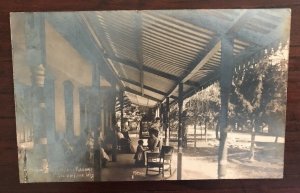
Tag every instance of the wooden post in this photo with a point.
(69, 109)
(180, 134)
(113, 123)
(97, 120)
(161, 111)
(121, 100)
(96, 126)
(225, 83)
(167, 124)
(36, 60)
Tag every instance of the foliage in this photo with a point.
(258, 95)
(204, 105)
(260, 89)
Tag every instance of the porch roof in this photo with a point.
(150, 52)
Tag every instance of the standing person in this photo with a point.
(125, 130)
(90, 146)
(153, 142)
(156, 126)
(140, 154)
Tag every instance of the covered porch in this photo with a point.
(154, 61)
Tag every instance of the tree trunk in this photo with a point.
(195, 133)
(217, 130)
(252, 147)
(201, 133)
(205, 131)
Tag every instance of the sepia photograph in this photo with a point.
(192, 94)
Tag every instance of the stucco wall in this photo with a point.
(65, 63)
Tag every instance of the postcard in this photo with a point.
(151, 94)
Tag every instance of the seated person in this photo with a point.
(104, 157)
(105, 148)
(123, 143)
(156, 123)
(153, 142)
(90, 146)
(107, 142)
(119, 135)
(156, 126)
(140, 154)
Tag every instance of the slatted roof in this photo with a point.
(151, 52)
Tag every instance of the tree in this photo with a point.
(260, 91)
(204, 108)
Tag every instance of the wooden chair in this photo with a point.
(153, 162)
(160, 162)
(166, 154)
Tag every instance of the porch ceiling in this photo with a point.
(151, 52)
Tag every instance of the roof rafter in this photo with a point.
(214, 47)
(140, 94)
(145, 68)
(268, 38)
(246, 53)
(148, 69)
(204, 60)
(162, 45)
(99, 41)
(177, 28)
(205, 83)
(164, 41)
(168, 38)
(139, 35)
(196, 66)
(145, 86)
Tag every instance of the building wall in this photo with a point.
(22, 73)
(65, 63)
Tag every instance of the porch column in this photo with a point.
(180, 134)
(36, 60)
(167, 120)
(76, 109)
(121, 100)
(226, 84)
(157, 113)
(113, 122)
(40, 120)
(96, 100)
(60, 119)
(69, 109)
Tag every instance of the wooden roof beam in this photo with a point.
(268, 38)
(180, 30)
(101, 43)
(215, 46)
(139, 44)
(145, 68)
(140, 94)
(249, 52)
(148, 69)
(196, 66)
(204, 60)
(145, 86)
